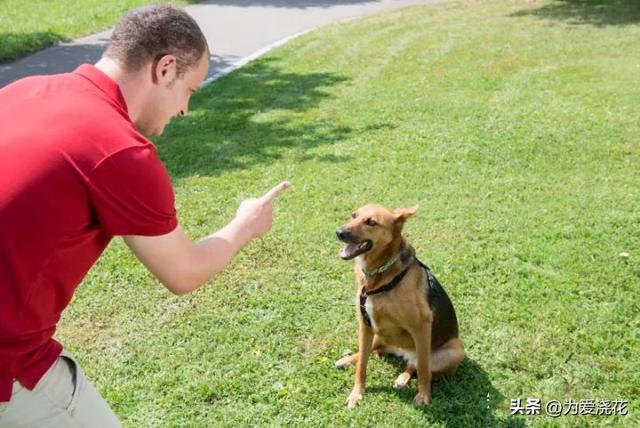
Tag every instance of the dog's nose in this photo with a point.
(341, 233)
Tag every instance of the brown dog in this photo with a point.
(402, 309)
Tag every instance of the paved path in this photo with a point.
(237, 31)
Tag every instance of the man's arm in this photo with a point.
(183, 266)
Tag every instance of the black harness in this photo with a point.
(390, 286)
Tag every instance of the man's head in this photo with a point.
(165, 49)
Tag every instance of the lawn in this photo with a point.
(513, 125)
(27, 26)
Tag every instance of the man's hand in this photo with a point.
(257, 213)
(183, 266)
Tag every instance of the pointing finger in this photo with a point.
(271, 194)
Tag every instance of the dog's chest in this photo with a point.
(378, 316)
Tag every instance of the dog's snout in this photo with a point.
(344, 234)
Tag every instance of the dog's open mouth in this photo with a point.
(355, 249)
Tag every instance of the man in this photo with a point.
(75, 172)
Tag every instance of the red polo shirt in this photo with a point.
(74, 172)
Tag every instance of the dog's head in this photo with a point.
(371, 229)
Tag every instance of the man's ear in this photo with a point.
(164, 70)
(402, 214)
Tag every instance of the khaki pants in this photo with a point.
(62, 398)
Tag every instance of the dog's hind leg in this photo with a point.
(345, 362)
(378, 348)
(446, 359)
(404, 378)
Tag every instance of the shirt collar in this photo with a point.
(102, 82)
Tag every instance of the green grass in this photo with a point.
(27, 26)
(513, 125)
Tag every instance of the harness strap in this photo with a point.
(430, 277)
(363, 309)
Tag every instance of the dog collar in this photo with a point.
(385, 267)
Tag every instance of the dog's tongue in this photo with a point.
(350, 250)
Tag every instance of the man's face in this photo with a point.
(170, 95)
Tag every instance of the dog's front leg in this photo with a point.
(422, 340)
(365, 341)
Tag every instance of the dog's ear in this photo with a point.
(402, 214)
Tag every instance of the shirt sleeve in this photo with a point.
(131, 193)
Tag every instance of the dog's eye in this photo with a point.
(354, 215)
(370, 222)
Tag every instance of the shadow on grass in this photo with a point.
(15, 45)
(251, 117)
(467, 399)
(593, 12)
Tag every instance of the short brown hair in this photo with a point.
(146, 34)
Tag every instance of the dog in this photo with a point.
(402, 308)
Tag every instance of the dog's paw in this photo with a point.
(422, 399)
(402, 381)
(343, 362)
(354, 398)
